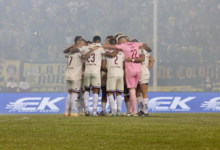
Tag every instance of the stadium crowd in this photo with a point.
(187, 31)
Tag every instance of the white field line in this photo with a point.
(24, 118)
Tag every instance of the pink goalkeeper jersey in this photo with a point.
(131, 49)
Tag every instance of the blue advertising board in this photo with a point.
(54, 103)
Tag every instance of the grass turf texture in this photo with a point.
(158, 131)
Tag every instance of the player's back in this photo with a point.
(93, 63)
(74, 67)
(131, 49)
(115, 65)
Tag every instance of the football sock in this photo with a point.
(103, 106)
(112, 103)
(119, 103)
(139, 100)
(95, 103)
(79, 104)
(127, 106)
(145, 104)
(68, 101)
(86, 100)
(82, 102)
(133, 100)
(74, 100)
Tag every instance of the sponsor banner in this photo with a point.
(45, 77)
(54, 103)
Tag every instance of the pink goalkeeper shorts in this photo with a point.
(132, 78)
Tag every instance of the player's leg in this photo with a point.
(76, 86)
(144, 89)
(126, 96)
(79, 102)
(132, 79)
(119, 90)
(96, 85)
(111, 88)
(68, 99)
(104, 101)
(104, 94)
(82, 97)
(139, 99)
(87, 92)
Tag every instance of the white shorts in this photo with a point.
(115, 84)
(92, 79)
(74, 85)
(144, 79)
(103, 79)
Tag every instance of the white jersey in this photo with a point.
(12, 85)
(145, 63)
(93, 63)
(74, 67)
(24, 85)
(115, 65)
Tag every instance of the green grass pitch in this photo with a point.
(158, 131)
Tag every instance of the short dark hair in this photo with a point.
(88, 42)
(96, 38)
(109, 37)
(82, 40)
(77, 38)
(113, 41)
(134, 40)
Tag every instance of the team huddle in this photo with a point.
(119, 66)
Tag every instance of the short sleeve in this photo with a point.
(138, 44)
(123, 57)
(103, 51)
(141, 52)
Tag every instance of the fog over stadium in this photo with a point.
(33, 34)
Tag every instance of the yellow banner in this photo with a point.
(9, 69)
(48, 77)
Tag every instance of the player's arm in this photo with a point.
(86, 56)
(74, 49)
(67, 50)
(151, 62)
(146, 47)
(136, 60)
(107, 46)
(104, 68)
(112, 54)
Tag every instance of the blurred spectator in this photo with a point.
(24, 86)
(27, 27)
(12, 85)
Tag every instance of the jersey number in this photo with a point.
(134, 53)
(71, 58)
(116, 58)
(93, 57)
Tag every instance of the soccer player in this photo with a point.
(74, 78)
(103, 83)
(92, 75)
(132, 69)
(115, 78)
(143, 81)
(76, 40)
